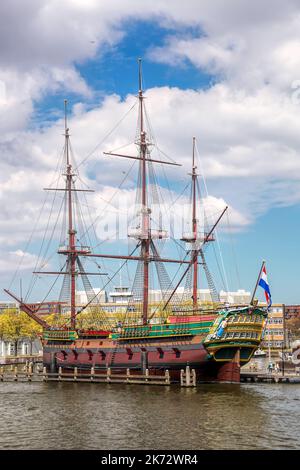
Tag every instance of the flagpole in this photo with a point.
(258, 279)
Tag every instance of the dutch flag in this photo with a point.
(263, 282)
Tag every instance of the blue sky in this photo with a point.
(204, 75)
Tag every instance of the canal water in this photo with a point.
(103, 416)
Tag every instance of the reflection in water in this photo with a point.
(90, 416)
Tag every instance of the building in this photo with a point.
(48, 308)
(25, 347)
(275, 335)
(82, 298)
(292, 311)
(4, 305)
(239, 297)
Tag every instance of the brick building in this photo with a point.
(292, 311)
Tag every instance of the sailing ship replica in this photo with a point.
(178, 332)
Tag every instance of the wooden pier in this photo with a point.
(31, 373)
(28, 374)
(270, 377)
(21, 359)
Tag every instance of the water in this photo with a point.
(102, 416)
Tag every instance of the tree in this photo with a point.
(15, 325)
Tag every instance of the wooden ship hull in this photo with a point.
(216, 351)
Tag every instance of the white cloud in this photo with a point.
(6, 260)
(247, 125)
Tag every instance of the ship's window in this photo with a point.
(75, 355)
(65, 355)
(230, 335)
(90, 354)
(161, 353)
(254, 335)
(248, 334)
(103, 355)
(235, 319)
(236, 334)
(130, 353)
(243, 334)
(177, 352)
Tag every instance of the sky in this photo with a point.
(227, 73)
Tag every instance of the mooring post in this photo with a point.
(108, 374)
(193, 377)
(128, 375)
(59, 373)
(16, 374)
(144, 361)
(147, 374)
(167, 377)
(92, 373)
(75, 373)
(30, 371)
(182, 377)
(45, 373)
(187, 376)
(53, 363)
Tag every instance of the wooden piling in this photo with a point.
(30, 371)
(193, 378)
(181, 377)
(187, 376)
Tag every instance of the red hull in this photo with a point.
(157, 357)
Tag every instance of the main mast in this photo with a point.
(145, 241)
(195, 230)
(71, 250)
